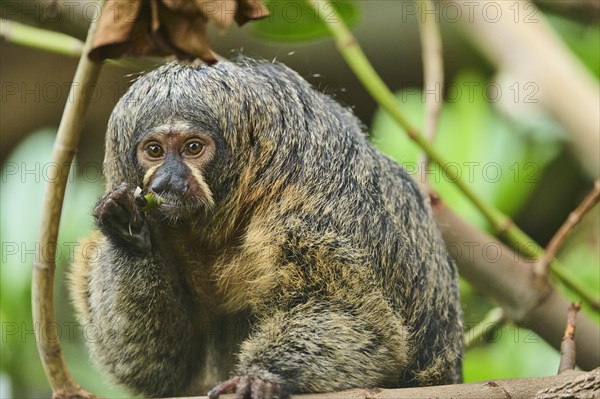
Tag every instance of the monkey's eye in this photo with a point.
(154, 150)
(193, 147)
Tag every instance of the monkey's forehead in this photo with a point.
(173, 126)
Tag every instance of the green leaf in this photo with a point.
(292, 21)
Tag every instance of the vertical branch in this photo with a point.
(567, 346)
(433, 73)
(65, 147)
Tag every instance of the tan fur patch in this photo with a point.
(249, 273)
(149, 174)
(79, 273)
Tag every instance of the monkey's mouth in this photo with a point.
(174, 208)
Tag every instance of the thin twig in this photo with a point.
(41, 39)
(567, 346)
(543, 266)
(60, 43)
(433, 73)
(492, 321)
(504, 227)
(62, 383)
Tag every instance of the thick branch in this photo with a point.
(64, 150)
(583, 386)
(521, 388)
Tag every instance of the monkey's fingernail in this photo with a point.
(141, 201)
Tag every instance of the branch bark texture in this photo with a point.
(521, 388)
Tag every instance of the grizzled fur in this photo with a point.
(319, 266)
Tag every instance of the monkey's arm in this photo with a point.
(139, 312)
(324, 346)
(319, 346)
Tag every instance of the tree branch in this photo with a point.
(583, 386)
(561, 235)
(519, 388)
(41, 39)
(433, 72)
(567, 347)
(65, 147)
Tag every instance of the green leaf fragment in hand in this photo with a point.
(151, 201)
(148, 201)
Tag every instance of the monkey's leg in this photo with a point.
(322, 345)
(137, 309)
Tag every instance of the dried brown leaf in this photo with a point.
(163, 27)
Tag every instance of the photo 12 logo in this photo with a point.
(471, 11)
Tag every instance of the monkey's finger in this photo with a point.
(224, 387)
(268, 390)
(257, 389)
(141, 240)
(112, 214)
(127, 201)
(124, 196)
(242, 388)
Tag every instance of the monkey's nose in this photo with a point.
(169, 184)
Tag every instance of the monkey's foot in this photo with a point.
(248, 387)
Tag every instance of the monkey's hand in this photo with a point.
(249, 387)
(120, 218)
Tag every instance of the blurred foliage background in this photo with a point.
(519, 162)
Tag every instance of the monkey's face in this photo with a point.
(174, 158)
